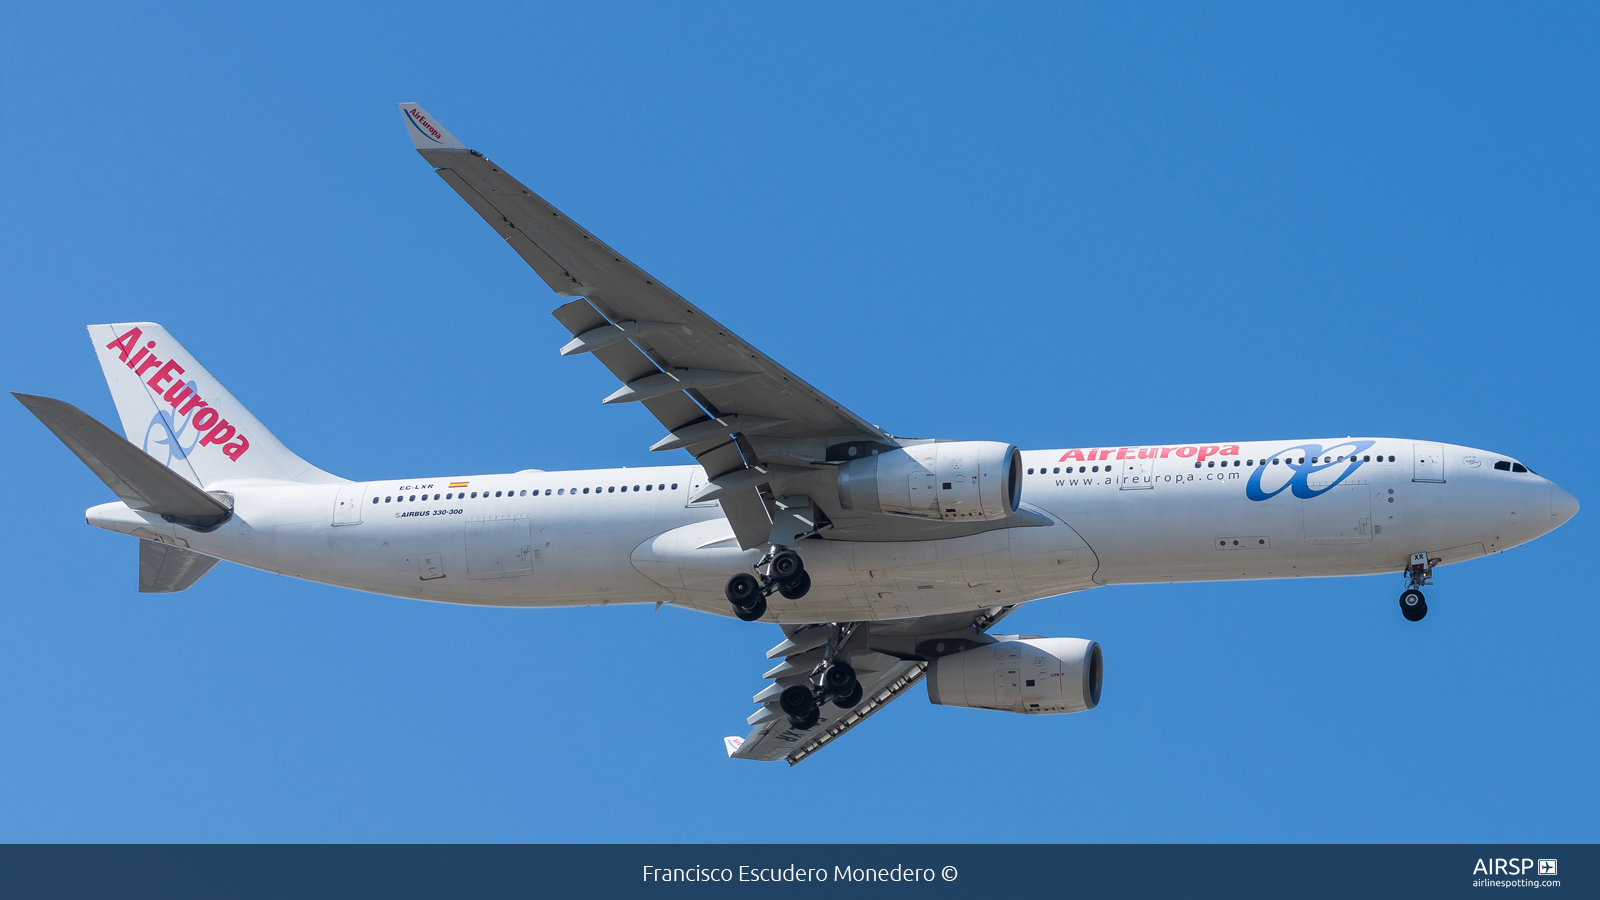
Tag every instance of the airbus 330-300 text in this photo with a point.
(885, 560)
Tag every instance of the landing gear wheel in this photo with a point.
(742, 589)
(797, 588)
(806, 722)
(786, 566)
(1413, 605)
(744, 592)
(850, 700)
(755, 610)
(840, 679)
(797, 702)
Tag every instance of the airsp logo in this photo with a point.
(1511, 866)
(1547, 868)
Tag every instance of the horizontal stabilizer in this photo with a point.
(165, 569)
(134, 476)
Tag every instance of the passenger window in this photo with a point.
(647, 487)
(1212, 464)
(611, 490)
(374, 499)
(547, 492)
(1030, 471)
(1391, 459)
(674, 485)
(386, 499)
(1057, 470)
(1518, 467)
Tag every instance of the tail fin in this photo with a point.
(174, 410)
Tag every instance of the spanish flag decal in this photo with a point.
(456, 484)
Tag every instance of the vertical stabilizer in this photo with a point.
(174, 410)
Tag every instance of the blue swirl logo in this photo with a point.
(1346, 456)
(169, 431)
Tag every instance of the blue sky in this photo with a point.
(1052, 225)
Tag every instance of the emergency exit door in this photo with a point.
(347, 506)
(1135, 474)
(1429, 462)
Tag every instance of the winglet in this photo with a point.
(427, 134)
(732, 744)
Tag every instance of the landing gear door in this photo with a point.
(347, 506)
(1135, 474)
(1429, 461)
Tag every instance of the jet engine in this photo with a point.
(1034, 675)
(948, 480)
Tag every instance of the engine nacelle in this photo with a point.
(1037, 676)
(949, 480)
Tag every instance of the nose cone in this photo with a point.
(1563, 506)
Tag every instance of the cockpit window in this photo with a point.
(1503, 465)
(1518, 467)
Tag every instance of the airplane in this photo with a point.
(885, 561)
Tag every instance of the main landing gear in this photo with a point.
(1418, 573)
(781, 570)
(833, 680)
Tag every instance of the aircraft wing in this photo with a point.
(889, 658)
(750, 422)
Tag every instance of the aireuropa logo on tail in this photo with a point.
(210, 428)
(172, 431)
(421, 123)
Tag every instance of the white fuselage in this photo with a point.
(1138, 515)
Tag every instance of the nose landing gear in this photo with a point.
(1419, 572)
(1413, 605)
(781, 570)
